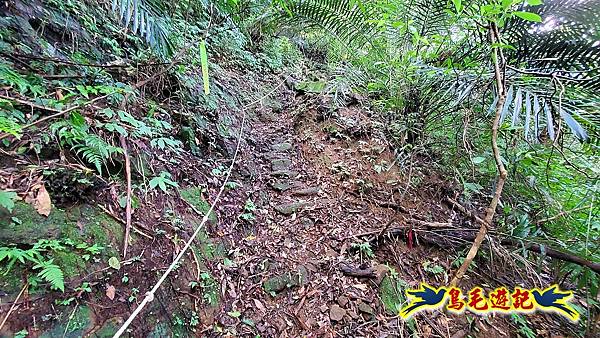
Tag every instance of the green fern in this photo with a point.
(10, 77)
(91, 147)
(95, 151)
(52, 274)
(49, 272)
(9, 126)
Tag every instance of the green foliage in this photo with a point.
(24, 84)
(21, 334)
(48, 271)
(7, 199)
(148, 19)
(523, 326)
(10, 126)
(364, 249)
(51, 273)
(281, 52)
(163, 181)
(74, 132)
(40, 258)
(249, 209)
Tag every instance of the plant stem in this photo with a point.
(502, 173)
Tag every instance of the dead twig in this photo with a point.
(117, 218)
(12, 308)
(562, 213)
(29, 103)
(464, 210)
(59, 113)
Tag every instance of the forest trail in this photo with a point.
(327, 191)
(294, 168)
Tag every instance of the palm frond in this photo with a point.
(533, 109)
(356, 21)
(147, 19)
(566, 43)
(347, 20)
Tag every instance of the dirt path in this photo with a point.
(318, 183)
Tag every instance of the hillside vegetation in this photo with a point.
(290, 168)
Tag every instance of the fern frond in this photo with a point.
(91, 147)
(9, 126)
(95, 151)
(52, 274)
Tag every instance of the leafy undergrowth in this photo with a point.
(324, 181)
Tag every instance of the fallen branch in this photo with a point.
(30, 104)
(366, 272)
(376, 272)
(561, 255)
(430, 224)
(437, 240)
(70, 63)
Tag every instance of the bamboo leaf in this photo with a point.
(528, 16)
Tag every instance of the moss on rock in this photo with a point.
(81, 224)
(391, 295)
(25, 226)
(73, 324)
(193, 196)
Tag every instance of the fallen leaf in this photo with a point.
(259, 305)
(42, 203)
(110, 292)
(336, 313)
(234, 314)
(114, 263)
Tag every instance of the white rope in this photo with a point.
(150, 294)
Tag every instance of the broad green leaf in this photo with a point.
(7, 199)
(234, 314)
(534, 2)
(506, 3)
(478, 160)
(114, 263)
(204, 64)
(528, 16)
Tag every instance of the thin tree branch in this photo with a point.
(502, 173)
